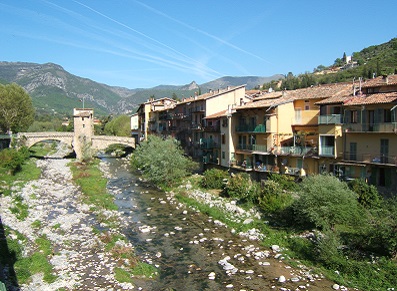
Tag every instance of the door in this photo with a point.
(298, 115)
(384, 150)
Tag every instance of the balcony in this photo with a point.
(196, 126)
(245, 147)
(253, 147)
(212, 128)
(181, 116)
(370, 158)
(251, 128)
(207, 144)
(259, 148)
(330, 119)
(292, 150)
(388, 127)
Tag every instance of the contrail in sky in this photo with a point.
(142, 34)
(201, 31)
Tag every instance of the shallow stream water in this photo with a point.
(187, 246)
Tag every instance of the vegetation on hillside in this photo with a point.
(372, 61)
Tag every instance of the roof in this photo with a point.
(379, 98)
(219, 114)
(265, 103)
(322, 91)
(380, 81)
(210, 94)
(273, 99)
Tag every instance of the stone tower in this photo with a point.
(83, 119)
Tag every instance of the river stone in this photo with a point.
(281, 279)
(275, 248)
(335, 287)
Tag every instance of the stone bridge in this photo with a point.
(82, 140)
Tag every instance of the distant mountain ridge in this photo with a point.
(54, 90)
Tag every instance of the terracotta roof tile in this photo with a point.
(380, 98)
(380, 81)
(222, 113)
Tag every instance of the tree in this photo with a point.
(119, 126)
(325, 202)
(16, 108)
(162, 161)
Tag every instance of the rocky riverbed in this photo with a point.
(189, 249)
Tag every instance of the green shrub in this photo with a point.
(162, 161)
(327, 249)
(12, 160)
(382, 233)
(214, 179)
(285, 182)
(324, 201)
(272, 198)
(367, 194)
(243, 188)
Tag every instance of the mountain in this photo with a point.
(250, 82)
(54, 90)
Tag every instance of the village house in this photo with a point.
(348, 130)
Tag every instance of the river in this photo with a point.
(190, 249)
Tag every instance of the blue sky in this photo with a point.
(142, 44)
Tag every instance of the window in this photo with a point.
(354, 116)
(223, 139)
(223, 155)
(307, 105)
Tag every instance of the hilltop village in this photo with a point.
(347, 129)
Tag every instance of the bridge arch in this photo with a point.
(29, 139)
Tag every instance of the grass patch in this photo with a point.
(20, 209)
(144, 270)
(93, 185)
(25, 267)
(36, 224)
(42, 149)
(123, 275)
(29, 172)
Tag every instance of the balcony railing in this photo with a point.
(375, 158)
(292, 150)
(245, 147)
(330, 119)
(180, 116)
(252, 147)
(370, 127)
(327, 151)
(212, 128)
(259, 148)
(196, 126)
(208, 144)
(251, 128)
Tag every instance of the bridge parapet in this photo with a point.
(101, 142)
(31, 138)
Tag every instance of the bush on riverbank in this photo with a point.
(214, 179)
(11, 160)
(350, 234)
(162, 161)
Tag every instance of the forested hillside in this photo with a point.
(372, 61)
